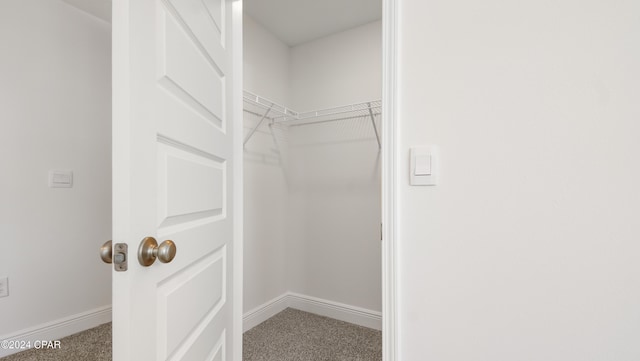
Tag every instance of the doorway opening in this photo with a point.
(312, 171)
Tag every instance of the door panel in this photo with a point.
(173, 178)
(189, 73)
(206, 20)
(185, 288)
(191, 186)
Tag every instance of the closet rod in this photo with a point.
(257, 101)
(282, 114)
(359, 116)
(357, 108)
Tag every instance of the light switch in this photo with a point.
(60, 179)
(423, 165)
(423, 168)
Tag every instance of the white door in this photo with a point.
(173, 178)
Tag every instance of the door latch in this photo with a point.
(118, 255)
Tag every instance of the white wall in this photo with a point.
(266, 63)
(266, 72)
(528, 248)
(55, 106)
(339, 69)
(334, 230)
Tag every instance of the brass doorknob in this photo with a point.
(106, 252)
(149, 251)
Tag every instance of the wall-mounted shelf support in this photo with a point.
(375, 128)
(246, 139)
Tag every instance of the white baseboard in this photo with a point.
(67, 326)
(58, 329)
(264, 312)
(339, 311)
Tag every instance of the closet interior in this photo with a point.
(312, 123)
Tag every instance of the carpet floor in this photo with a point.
(294, 335)
(90, 345)
(291, 335)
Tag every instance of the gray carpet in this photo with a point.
(291, 335)
(93, 344)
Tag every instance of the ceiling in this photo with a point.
(293, 21)
(298, 21)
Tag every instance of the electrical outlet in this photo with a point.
(4, 287)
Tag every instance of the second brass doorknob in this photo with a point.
(149, 251)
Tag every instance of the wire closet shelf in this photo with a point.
(276, 113)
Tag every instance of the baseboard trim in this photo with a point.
(264, 312)
(339, 311)
(58, 329)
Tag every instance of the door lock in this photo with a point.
(116, 255)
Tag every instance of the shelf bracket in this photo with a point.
(257, 126)
(375, 129)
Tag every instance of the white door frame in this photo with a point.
(389, 180)
(238, 179)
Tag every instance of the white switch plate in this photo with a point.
(423, 174)
(4, 287)
(60, 179)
